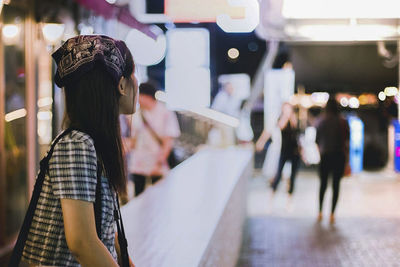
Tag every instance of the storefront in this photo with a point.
(27, 109)
(18, 118)
(31, 106)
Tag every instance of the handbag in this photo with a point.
(23, 234)
(172, 160)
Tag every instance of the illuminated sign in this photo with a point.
(188, 82)
(230, 15)
(309, 9)
(201, 10)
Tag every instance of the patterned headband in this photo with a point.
(79, 54)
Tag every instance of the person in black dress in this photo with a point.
(333, 140)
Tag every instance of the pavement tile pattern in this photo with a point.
(274, 241)
(366, 232)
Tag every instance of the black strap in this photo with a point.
(98, 200)
(123, 243)
(23, 234)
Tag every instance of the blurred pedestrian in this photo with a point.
(226, 101)
(333, 142)
(288, 124)
(244, 131)
(74, 223)
(154, 129)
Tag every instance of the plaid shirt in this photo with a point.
(72, 175)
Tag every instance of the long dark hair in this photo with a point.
(92, 105)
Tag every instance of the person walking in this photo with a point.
(85, 167)
(154, 129)
(333, 141)
(287, 123)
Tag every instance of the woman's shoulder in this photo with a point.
(77, 140)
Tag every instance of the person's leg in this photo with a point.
(323, 176)
(295, 166)
(155, 179)
(140, 182)
(339, 164)
(278, 175)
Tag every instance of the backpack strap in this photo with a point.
(123, 243)
(98, 201)
(23, 234)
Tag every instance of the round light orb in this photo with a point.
(53, 32)
(391, 91)
(354, 103)
(344, 102)
(10, 31)
(145, 50)
(382, 96)
(233, 53)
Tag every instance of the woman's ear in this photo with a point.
(121, 86)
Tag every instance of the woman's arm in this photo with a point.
(283, 121)
(81, 235)
(265, 135)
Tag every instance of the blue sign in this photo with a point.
(396, 125)
(356, 144)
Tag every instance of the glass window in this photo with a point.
(14, 191)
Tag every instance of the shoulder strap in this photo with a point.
(153, 133)
(123, 243)
(98, 200)
(23, 234)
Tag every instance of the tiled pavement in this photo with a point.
(366, 233)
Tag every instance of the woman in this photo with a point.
(332, 140)
(287, 123)
(96, 73)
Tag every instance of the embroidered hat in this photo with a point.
(80, 54)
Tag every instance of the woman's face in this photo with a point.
(129, 95)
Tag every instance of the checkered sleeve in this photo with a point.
(72, 170)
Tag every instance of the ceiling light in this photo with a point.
(344, 102)
(328, 9)
(344, 32)
(10, 32)
(320, 98)
(16, 114)
(391, 91)
(354, 103)
(53, 32)
(248, 24)
(382, 96)
(233, 53)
